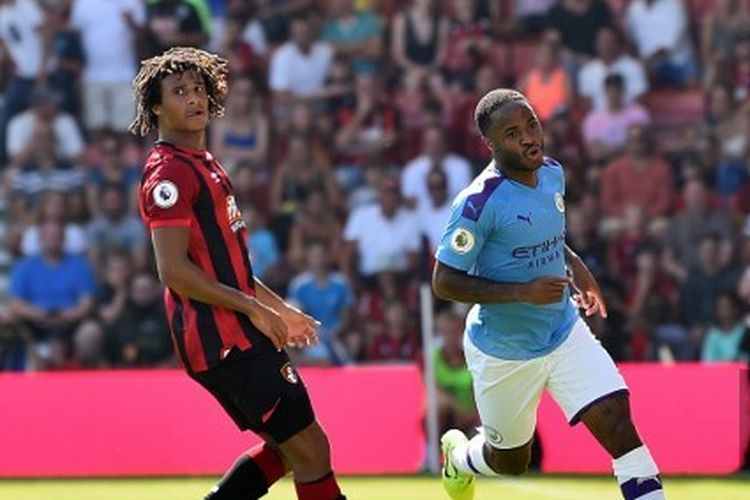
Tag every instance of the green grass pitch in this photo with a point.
(532, 487)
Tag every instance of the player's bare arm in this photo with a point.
(300, 326)
(588, 295)
(453, 284)
(177, 272)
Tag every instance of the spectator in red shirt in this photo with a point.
(641, 177)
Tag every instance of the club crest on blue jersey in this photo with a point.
(559, 202)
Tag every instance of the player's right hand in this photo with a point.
(269, 322)
(545, 290)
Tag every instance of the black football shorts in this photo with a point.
(261, 392)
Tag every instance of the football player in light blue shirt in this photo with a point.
(504, 251)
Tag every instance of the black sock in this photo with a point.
(244, 481)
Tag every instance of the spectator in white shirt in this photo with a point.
(611, 58)
(434, 155)
(28, 130)
(25, 38)
(108, 33)
(300, 66)
(660, 31)
(381, 238)
(434, 216)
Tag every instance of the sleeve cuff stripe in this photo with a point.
(170, 223)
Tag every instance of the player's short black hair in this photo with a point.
(491, 102)
(147, 83)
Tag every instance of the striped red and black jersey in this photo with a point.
(188, 188)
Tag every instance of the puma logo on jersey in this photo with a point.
(524, 218)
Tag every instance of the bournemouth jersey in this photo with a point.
(188, 188)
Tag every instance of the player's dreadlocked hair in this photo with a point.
(492, 101)
(147, 83)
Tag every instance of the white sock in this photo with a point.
(469, 457)
(638, 475)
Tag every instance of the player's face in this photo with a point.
(516, 137)
(184, 103)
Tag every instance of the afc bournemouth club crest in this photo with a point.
(289, 374)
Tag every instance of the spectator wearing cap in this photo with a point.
(605, 131)
(173, 23)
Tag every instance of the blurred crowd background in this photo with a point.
(349, 128)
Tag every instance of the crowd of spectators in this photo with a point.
(349, 128)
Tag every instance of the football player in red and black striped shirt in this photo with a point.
(228, 328)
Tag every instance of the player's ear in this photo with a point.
(488, 142)
(156, 109)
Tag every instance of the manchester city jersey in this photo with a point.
(505, 231)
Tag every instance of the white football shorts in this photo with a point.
(577, 373)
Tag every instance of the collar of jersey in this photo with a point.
(198, 153)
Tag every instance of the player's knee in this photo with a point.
(309, 450)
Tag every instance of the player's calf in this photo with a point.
(610, 422)
(309, 454)
(251, 475)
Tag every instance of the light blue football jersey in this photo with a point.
(505, 231)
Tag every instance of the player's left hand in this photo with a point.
(300, 326)
(588, 296)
